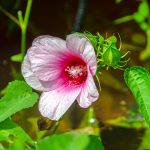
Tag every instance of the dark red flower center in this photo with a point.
(76, 72)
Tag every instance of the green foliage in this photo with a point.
(145, 144)
(146, 53)
(111, 56)
(125, 122)
(17, 139)
(142, 17)
(18, 96)
(14, 135)
(138, 81)
(144, 9)
(108, 54)
(142, 12)
(92, 38)
(22, 22)
(70, 141)
(17, 57)
(90, 123)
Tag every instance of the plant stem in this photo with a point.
(24, 27)
(146, 53)
(148, 39)
(124, 19)
(9, 15)
(20, 18)
(23, 41)
(27, 13)
(56, 125)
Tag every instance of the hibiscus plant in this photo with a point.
(57, 72)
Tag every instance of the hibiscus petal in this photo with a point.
(55, 103)
(82, 45)
(53, 42)
(29, 76)
(44, 55)
(88, 93)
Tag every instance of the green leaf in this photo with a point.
(9, 129)
(145, 54)
(18, 96)
(126, 123)
(145, 144)
(14, 135)
(92, 38)
(142, 13)
(17, 58)
(144, 9)
(1, 147)
(138, 81)
(70, 141)
(138, 17)
(144, 26)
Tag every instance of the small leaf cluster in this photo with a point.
(142, 15)
(142, 18)
(108, 53)
(13, 137)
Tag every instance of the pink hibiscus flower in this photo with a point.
(63, 70)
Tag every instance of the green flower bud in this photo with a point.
(111, 56)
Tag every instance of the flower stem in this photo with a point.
(23, 42)
(124, 19)
(148, 39)
(24, 26)
(9, 15)
(56, 125)
(22, 23)
(20, 18)
(146, 53)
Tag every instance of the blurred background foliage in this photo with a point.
(115, 115)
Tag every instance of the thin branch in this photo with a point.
(9, 15)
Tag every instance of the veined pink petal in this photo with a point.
(37, 84)
(88, 93)
(82, 45)
(54, 43)
(55, 103)
(44, 63)
(29, 76)
(44, 54)
(49, 67)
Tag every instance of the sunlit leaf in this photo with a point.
(138, 17)
(90, 120)
(70, 141)
(142, 13)
(14, 135)
(18, 96)
(1, 147)
(145, 144)
(126, 123)
(17, 58)
(138, 80)
(144, 9)
(145, 54)
(8, 129)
